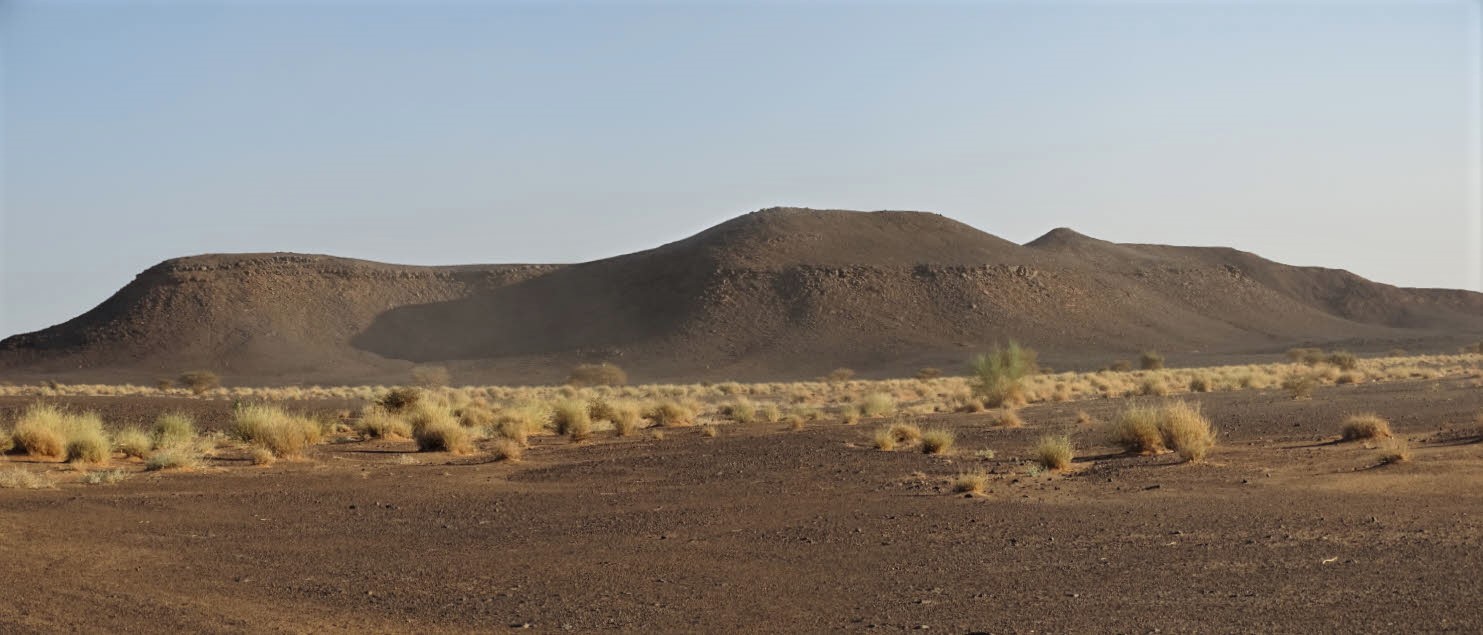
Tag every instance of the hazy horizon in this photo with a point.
(1333, 135)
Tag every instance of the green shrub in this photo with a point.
(999, 375)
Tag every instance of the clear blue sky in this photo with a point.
(1319, 133)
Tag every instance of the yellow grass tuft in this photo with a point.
(975, 482)
(885, 439)
(937, 441)
(133, 443)
(877, 404)
(570, 418)
(172, 429)
(1053, 452)
(283, 433)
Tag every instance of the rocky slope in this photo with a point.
(780, 293)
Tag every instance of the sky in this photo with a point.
(1338, 134)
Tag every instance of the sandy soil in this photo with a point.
(763, 529)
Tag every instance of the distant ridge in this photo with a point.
(778, 293)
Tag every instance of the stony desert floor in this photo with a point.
(763, 528)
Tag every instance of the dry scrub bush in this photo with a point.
(905, 432)
(1365, 426)
(671, 414)
(840, 375)
(570, 418)
(795, 422)
(937, 441)
(1201, 383)
(1343, 360)
(200, 382)
(173, 428)
(603, 374)
(45, 430)
(1150, 360)
(929, 373)
(473, 415)
(520, 422)
(399, 399)
(974, 482)
(262, 457)
(999, 376)
(709, 430)
(877, 404)
(436, 430)
(1053, 452)
(133, 443)
(283, 433)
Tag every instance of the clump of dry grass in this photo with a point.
(1176, 426)
(1201, 383)
(938, 441)
(671, 414)
(1082, 418)
(174, 458)
(105, 477)
(877, 404)
(625, 417)
(262, 457)
(741, 411)
(1300, 385)
(173, 428)
(1365, 426)
(709, 430)
(906, 433)
(283, 433)
(475, 415)
(1153, 385)
(377, 422)
(20, 478)
(506, 450)
(885, 439)
(1008, 418)
(1053, 452)
(1186, 431)
(46, 430)
(570, 418)
(1395, 451)
(796, 421)
(975, 482)
(436, 430)
(770, 412)
(1150, 360)
(850, 414)
(133, 443)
